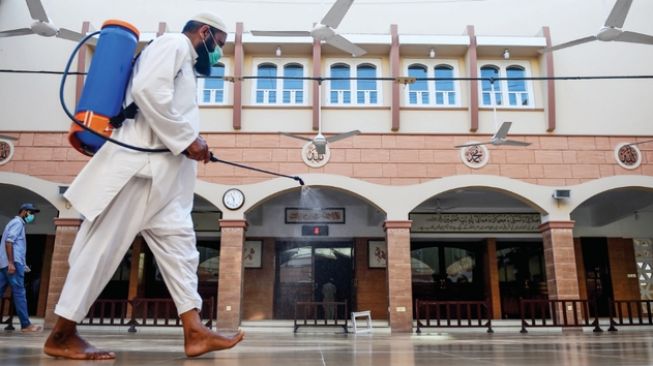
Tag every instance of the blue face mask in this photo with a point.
(30, 218)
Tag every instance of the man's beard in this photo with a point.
(202, 63)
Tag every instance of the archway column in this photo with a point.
(230, 289)
(560, 262)
(400, 294)
(65, 232)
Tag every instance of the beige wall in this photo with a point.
(596, 107)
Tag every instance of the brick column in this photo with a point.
(230, 287)
(560, 262)
(66, 230)
(492, 278)
(400, 294)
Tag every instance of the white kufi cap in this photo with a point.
(210, 19)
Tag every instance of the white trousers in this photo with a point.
(100, 246)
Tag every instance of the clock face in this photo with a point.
(233, 199)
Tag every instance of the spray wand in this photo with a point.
(216, 160)
(137, 148)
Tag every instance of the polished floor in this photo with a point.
(272, 347)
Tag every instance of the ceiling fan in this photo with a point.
(499, 138)
(320, 141)
(324, 31)
(42, 25)
(611, 30)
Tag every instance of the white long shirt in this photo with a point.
(164, 87)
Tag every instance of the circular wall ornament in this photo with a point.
(6, 150)
(312, 158)
(628, 156)
(476, 156)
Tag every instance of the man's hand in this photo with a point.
(198, 150)
(11, 269)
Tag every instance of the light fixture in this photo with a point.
(277, 52)
(506, 54)
(432, 53)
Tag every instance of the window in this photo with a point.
(340, 89)
(517, 93)
(366, 89)
(266, 89)
(445, 93)
(432, 92)
(507, 93)
(211, 90)
(272, 87)
(356, 84)
(293, 91)
(418, 92)
(491, 72)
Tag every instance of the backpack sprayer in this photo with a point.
(100, 109)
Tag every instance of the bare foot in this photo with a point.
(65, 342)
(200, 341)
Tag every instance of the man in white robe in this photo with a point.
(122, 193)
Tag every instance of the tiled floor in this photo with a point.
(164, 347)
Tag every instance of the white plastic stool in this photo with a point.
(362, 314)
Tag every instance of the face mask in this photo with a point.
(29, 218)
(206, 59)
(215, 56)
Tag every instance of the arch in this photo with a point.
(443, 66)
(385, 197)
(525, 192)
(49, 191)
(583, 192)
(366, 65)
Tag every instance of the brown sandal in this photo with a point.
(33, 328)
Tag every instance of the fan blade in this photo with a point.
(640, 142)
(36, 11)
(618, 14)
(634, 37)
(280, 33)
(503, 131)
(341, 136)
(295, 136)
(512, 143)
(570, 43)
(336, 13)
(16, 32)
(474, 144)
(343, 43)
(69, 35)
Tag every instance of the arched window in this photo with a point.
(517, 92)
(366, 92)
(418, 92)
(340, 89)
(266, 88)
(293, 89)
(445, 92)
(212, 89)
(487, 72)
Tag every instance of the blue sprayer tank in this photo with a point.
(105, 85)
